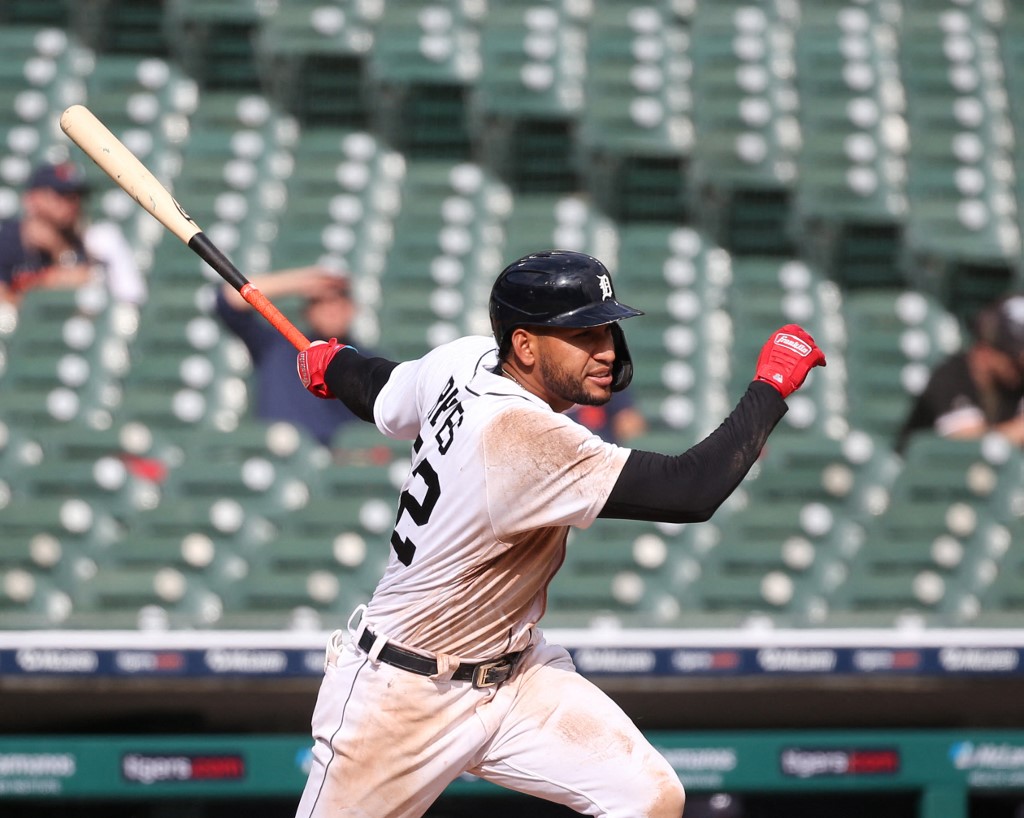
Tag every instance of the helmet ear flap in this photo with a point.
(622, 369)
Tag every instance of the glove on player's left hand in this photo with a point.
(312, 363)
(786, 359)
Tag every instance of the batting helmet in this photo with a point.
(560, 288)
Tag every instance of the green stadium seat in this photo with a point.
(60, 535)
(843, 473)
(420, 71)
(284, 596)
(850, 202)
(213, 41)
(912, 561)
(35, 12)
(120, 26)
(743, 163)
(119, 596)
(447, 240)
(962, 240)
(680, 279)
(993, 582)
(893, 343)
(529, 94)
(30, 600)
(636, 131)
(312, 61)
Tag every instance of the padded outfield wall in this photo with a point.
(926, 724)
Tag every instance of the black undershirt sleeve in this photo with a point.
(689, 487)
(356, 381)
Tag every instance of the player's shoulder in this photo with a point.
(450, 365)
(467, 345)
(461, 358)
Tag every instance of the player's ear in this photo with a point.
(524, 346)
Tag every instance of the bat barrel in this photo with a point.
(121, 165)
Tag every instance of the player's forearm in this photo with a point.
(689, 487)
(357, 380)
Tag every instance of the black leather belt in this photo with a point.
(481, 674)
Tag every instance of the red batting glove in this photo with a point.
(786, 359)
(312, 363)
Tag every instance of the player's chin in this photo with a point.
(599, 389)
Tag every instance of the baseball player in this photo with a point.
(445, 670)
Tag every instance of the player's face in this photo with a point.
(576, 365)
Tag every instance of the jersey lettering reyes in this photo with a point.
(446, 416)
(449, 413)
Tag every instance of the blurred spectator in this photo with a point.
(50, 245)
(328, 312)
(108, 249)
(981, 388)
(617, 421)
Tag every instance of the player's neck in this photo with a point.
(555, 404)
(512, 378)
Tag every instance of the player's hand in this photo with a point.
(786, 358)
(312, 363)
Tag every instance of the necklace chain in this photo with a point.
(514, 379)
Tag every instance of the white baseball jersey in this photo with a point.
(497, 478)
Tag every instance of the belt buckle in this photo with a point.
(483, 670)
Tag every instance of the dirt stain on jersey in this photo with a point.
(542, 469)
(490, 599)
(540, 446)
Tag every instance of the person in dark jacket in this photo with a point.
(981, 388)
(328, 311)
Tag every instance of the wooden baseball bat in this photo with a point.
(121, 165)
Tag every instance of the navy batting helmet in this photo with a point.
(560, 288)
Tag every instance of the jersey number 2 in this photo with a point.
(418, 510)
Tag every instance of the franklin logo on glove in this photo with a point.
(794, 343)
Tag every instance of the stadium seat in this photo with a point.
(844, 473)
(312, 60)
(743, 164)
(636, 131)
(35, 12)
(529, 93)
(121, 26)
(962, 239)
(420, 71)
(213, 41)
(119, 596)
(680, 279)
(993, 583)
(893, 343)
(850, 200)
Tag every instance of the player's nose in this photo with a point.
(606, 345)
